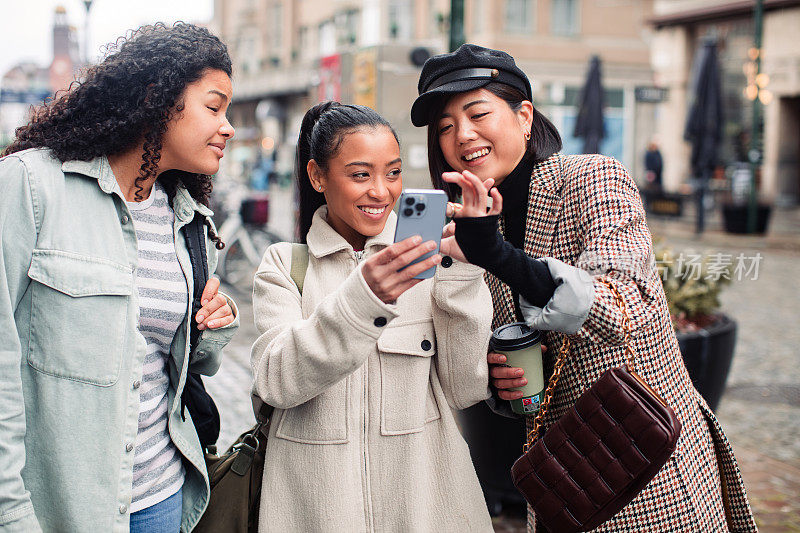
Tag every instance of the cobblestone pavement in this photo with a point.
(760, 410)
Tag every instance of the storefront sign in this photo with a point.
(365, 67)
(650, 95)
(330, 78)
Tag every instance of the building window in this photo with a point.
(247, 53)
(308, 45)
(327, 38)
(436, 19)
(519, 16)
(275, 25)
(401, 19)
(347, 28)
(477, 17)
(564, 17)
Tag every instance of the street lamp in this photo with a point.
(756, 91)
(456, 24)
(88, 5)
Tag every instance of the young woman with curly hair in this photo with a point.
(96, 290)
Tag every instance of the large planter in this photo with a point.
(495, 442)
(708, 354)
(734, 218)
(658, 202)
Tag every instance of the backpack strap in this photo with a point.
(205, 414)
(196, 244)
(297, 271)
(299, 264)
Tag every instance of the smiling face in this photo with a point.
(479, 132)
(196, 136)
(361, 183)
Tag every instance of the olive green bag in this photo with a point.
(236, 475)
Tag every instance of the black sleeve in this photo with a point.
(483, 245)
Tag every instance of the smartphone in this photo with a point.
(421, 212)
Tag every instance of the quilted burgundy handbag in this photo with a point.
(602, 452)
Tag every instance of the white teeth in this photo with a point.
(473, 155)
(372, 210)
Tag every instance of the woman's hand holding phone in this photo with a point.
(381, 270)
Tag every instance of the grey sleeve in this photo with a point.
(17, 240)
(568, 308)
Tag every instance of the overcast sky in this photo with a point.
(26, 25)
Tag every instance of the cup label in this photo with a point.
(530, 405)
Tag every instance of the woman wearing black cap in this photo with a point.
(567, 226)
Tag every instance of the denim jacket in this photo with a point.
(71, 354)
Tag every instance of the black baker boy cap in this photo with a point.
(468, 68)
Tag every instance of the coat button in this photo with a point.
(426, 345)
(380, 322)
(137, 384)
(129, 447)
(123, 509)
(200, 353)
(125, 219)
(447, 261)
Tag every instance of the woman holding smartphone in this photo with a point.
(559, 227)
(364, 364)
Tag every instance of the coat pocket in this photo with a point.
(321, 420)
(79, 309)
(407, 400)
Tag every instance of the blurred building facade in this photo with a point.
(680, 27)
(28, 84)
(290, 54)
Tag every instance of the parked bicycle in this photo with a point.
(246, 238)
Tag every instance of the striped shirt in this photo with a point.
(163, 301)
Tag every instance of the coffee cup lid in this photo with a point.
(514, 336)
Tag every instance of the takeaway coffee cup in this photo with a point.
(523, 349)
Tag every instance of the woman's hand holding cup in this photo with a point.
(506, 377)
(381, 270)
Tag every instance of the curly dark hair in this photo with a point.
(128, 100)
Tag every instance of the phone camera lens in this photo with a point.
(410, 200)
(420, 207)
(408, 211)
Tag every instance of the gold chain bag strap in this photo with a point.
(602, 452)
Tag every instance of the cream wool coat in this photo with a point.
(363, 438)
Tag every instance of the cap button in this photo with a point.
(495, 72)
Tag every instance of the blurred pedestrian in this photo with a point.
(364, 363)
(653, 166)
(559, 216)
(96, 290)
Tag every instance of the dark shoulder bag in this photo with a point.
(602, 452)
(195, 398)
(236, 475)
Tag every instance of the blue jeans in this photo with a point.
(163, 517)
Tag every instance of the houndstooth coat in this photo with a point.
(586, 211)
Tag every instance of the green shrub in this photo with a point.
(692, 284)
